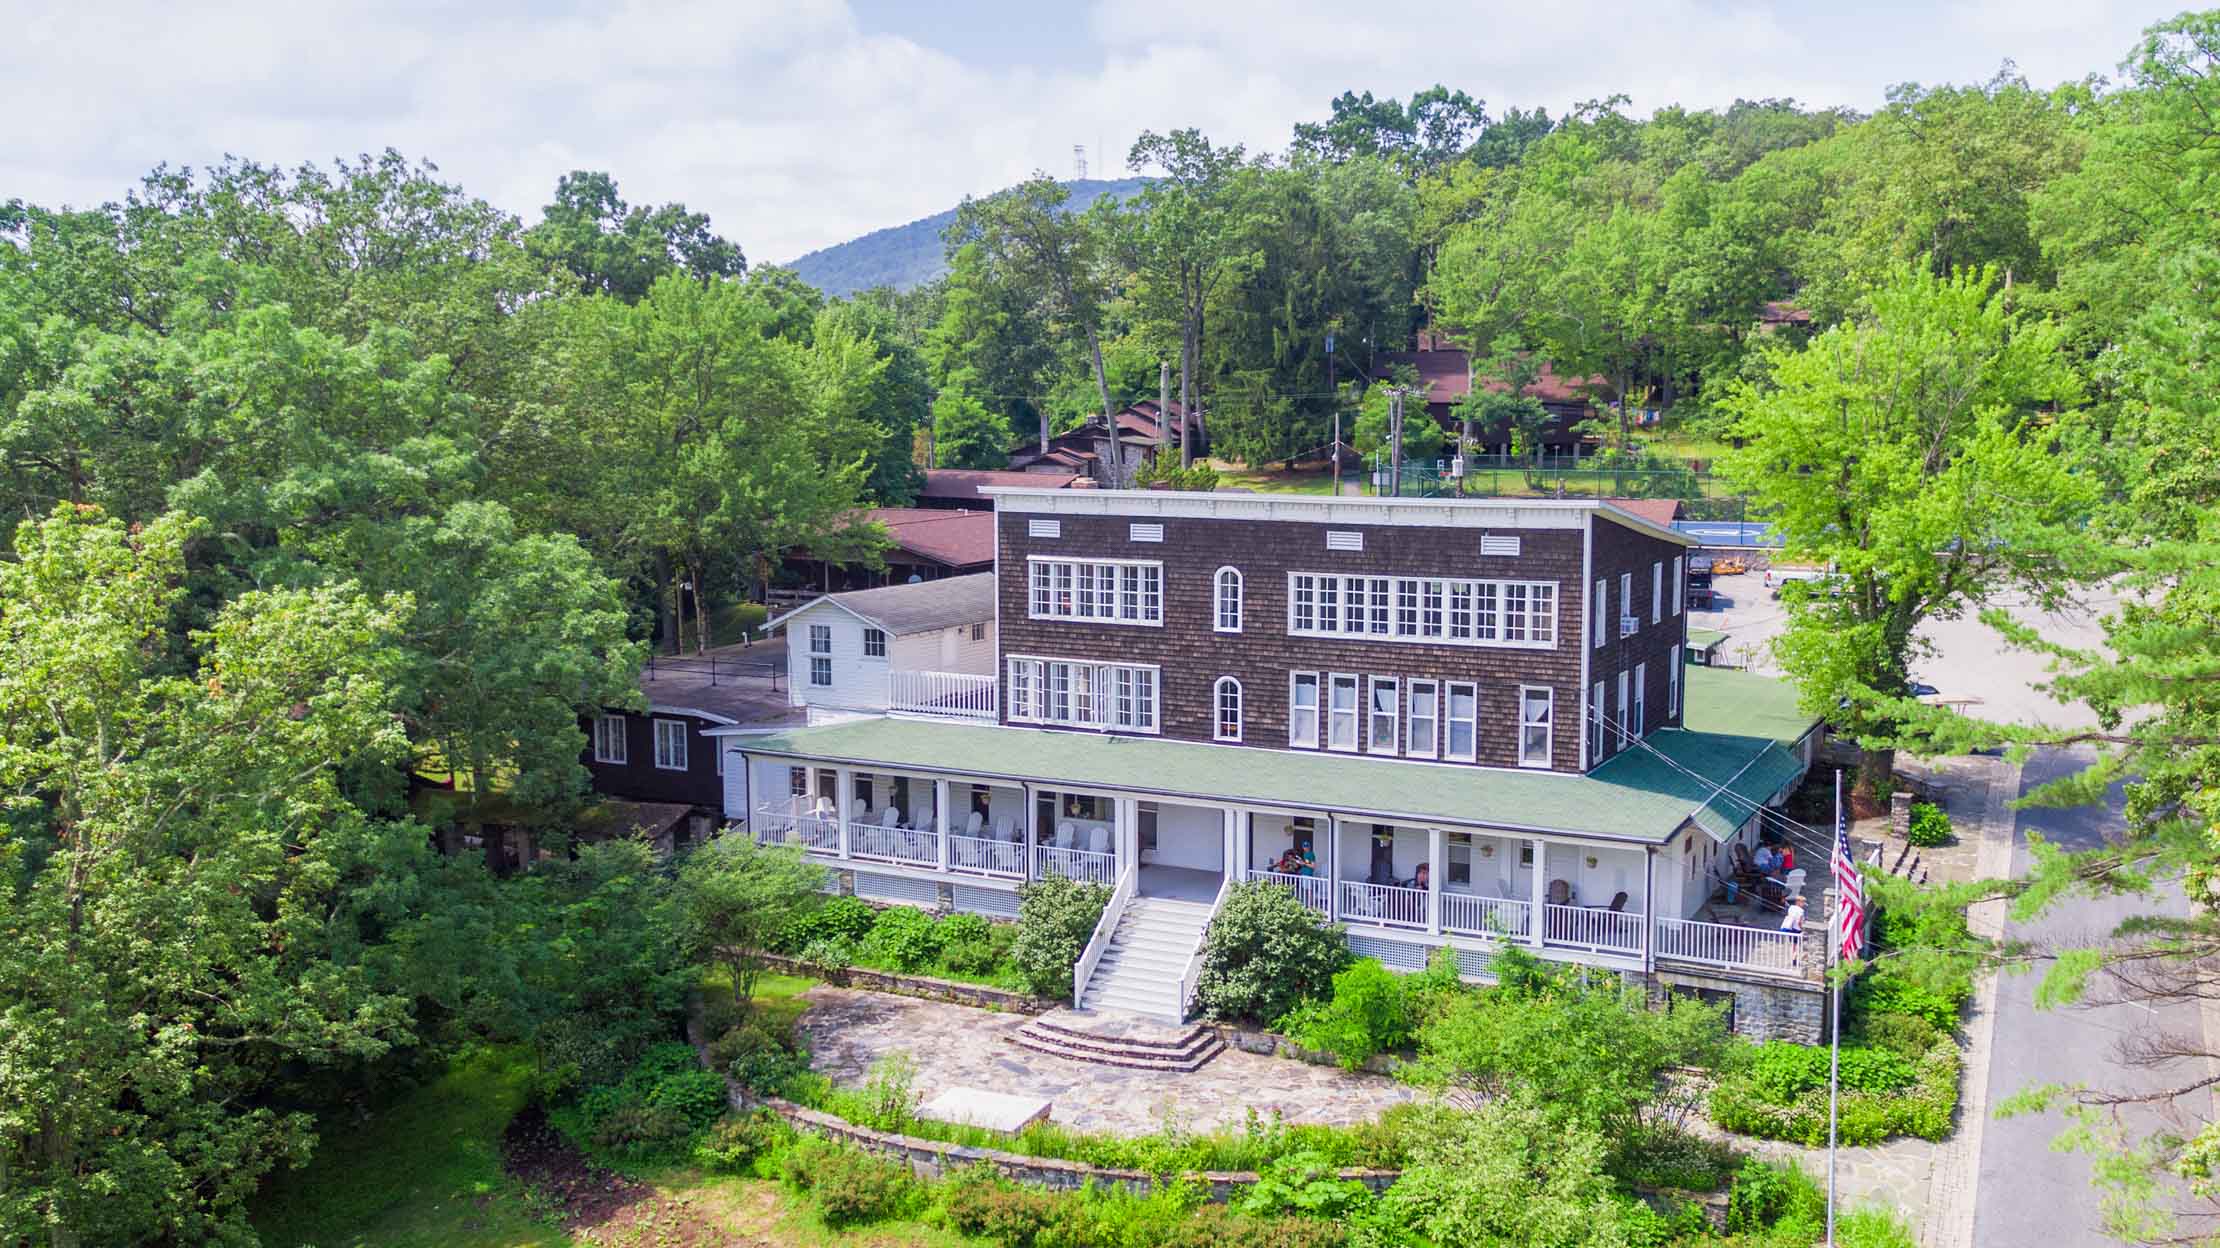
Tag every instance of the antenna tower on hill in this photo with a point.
(1079, 162)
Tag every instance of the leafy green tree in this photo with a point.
(194, 901)
(1373, 433)
(1265, 954)
(1056, 918)
(1509, 1175)
(1438, 126)
(1914, 453)
(890, 404)
(1181, 237)
(615, 248)
(966, 434)
(988, 343)
(737, 897)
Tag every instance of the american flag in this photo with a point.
(1849, 892)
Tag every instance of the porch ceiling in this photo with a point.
(1635, 797)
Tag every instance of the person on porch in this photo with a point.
(1296, 861)
(1419, 881)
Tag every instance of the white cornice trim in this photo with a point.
(1524, 513)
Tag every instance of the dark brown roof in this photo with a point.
(1446, 372)
(963, 483)
(956, 539)
(1658, 511)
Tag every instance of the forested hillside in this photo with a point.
(332, 485)
(906, 256)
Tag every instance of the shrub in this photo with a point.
(1766, 1195)
(695, 1095)
(1930, 826)
(903, 939)
(640, 1129)
(1056, 919)
(1369, 1013)
(850, 1187)
(846, 919)
(732, 1146)
(966, 927)
(1785, 1098)
(1782, 1070)
(1669, 1157)
(760, 1057)
(828, 953)
(1887, 990)
(1305, 1184)
(1907, 1035)
(1266, 953)
(979, 1203)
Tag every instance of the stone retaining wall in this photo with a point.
(954, 991)
(1272, 1044)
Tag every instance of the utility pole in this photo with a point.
(1395, 439)
(1333, 396)
(1164, 409)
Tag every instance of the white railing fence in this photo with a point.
(980, 855)
(1606, 931)
(903, 845)
(951, 695)
(1724, 944)
(775, 824)
(1193, 974)
(1384, 903)
(1077, 864)
(1469, 915)
(1308, 889)
(1105, 928)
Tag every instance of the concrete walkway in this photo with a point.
(956, 1046)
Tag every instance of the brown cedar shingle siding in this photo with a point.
(1193, 656)
(640, 779)
(1621, 549)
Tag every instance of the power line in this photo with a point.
(1817, 842)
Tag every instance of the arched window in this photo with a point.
(1229, 600)
(1228, 700)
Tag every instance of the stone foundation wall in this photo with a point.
(1784, 1011)
(953, 991)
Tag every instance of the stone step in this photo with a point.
(1120, 1037)
(1040, 1043)
(1147, 1005)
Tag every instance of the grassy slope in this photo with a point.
(426, 1170)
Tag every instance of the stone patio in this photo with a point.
(955, 1046)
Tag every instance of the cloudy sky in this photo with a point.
(800, 124)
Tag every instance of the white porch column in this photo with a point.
(1229, 821)
(940, 817)
(1125, 834)
(1025, 820)
(845, 794)
(1435, 865)
(1332, 860)
(1540, 891)
(1649, 908)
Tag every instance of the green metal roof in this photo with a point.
(1705, 638)
(1637, 796)
(1728, 701)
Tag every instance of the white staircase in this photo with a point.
(1146, 958)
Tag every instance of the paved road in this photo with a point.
(2028, 1194)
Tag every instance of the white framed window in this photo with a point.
(1535, 724)
(1102, 591)
(820, 671)
(1641, 700)
(1227, 616)
(1081, 694)
(1626, 596)
(1678, 592)
(1625, 734)
(1431, 610)
(609, 745)
(1595, 725)
(1227, 697)
(1603, 611)
(874, 643)
(1657, 591)
(1461, 721)
(1382, 715)
(820, 639)
(1672, 685)
(1422, 719)
(670, 744)
(1341, 712)
(1302, 709)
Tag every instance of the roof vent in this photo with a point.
(1508, 544)
(1146, 532)
(1044, 528)
(1344, 539)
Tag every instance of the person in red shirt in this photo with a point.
(1788, 859)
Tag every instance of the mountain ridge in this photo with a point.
(911, 254)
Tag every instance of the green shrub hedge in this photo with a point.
(1267, 953)
(1056, 919)
(1930, 826)
(1780, 1097)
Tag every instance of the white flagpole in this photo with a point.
(1834, 1022)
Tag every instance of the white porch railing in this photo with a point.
(981, 855)
(902, 845)
(1308, 889)
(1723, 944)
(1077, 864)
(777, 825)
(1468, 914)
(1193, 974)
(1383, 903)
(1105, 928)
(949, 695)
(1605, 931)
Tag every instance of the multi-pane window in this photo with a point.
(1657, 592)
(1302, 709)
(820, 671)
(1381, 715)
(1341, 713)
(1595, 725)
(1534, 725)
(820, 639)
(820, 655)
(1602, 611)
(1228, 614)
(1641, 700)
(1626, 596)
(1110, 591)
(1678, 592)
(1229, 709)
(874, 643)
(670, 744)
(1672, 684)
(1461, 721)
(1082, 694)
(609, 739)
(1421, 720)
(1624, 736)
(1423, 609)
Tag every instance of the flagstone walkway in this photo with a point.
(957, 1046)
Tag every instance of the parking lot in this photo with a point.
(1971, 666)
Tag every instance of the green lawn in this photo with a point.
(424, 1170)
(1315, 480)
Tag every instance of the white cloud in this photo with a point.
(794, 125)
